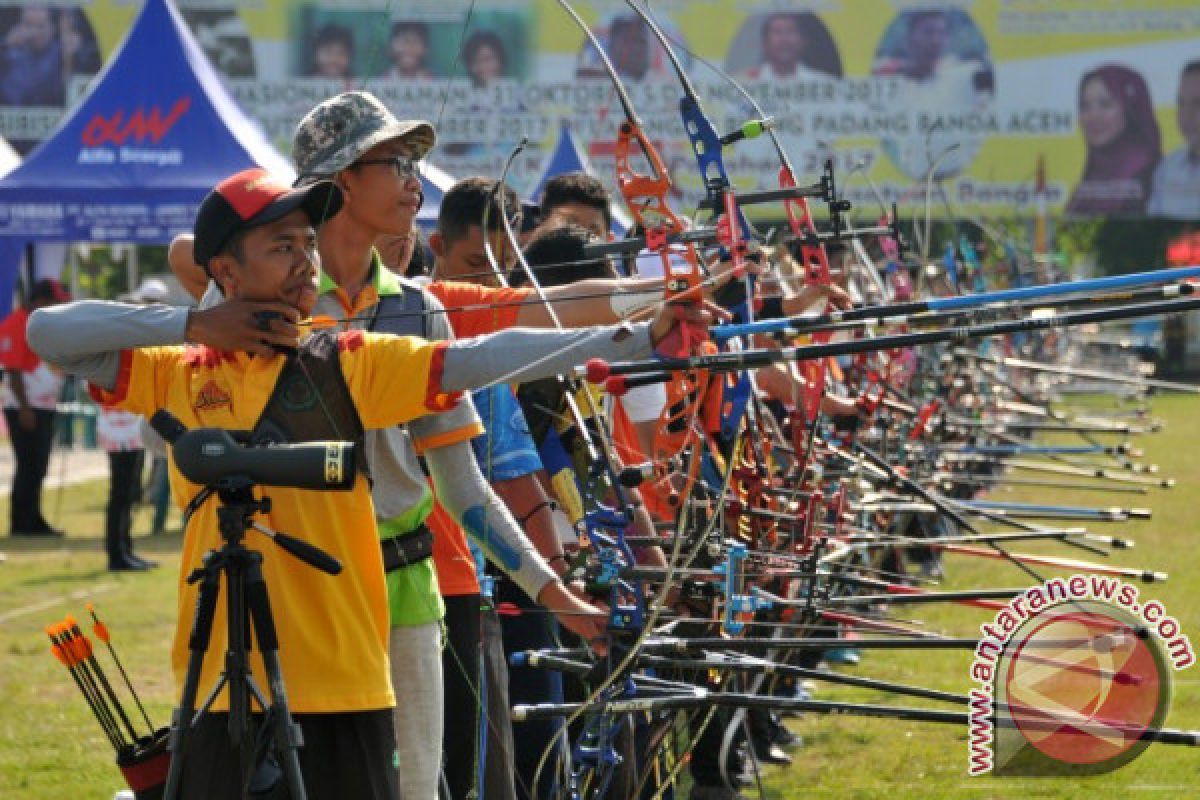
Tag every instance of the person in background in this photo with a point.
(158, 485)
(576, 198)
(407, 254)
(31, 393)
(396, 251)
(1124, 145)
(1176, 188)
(420, 262)
(118, 432)
(157, 488)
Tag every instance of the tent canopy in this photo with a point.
(10, 251)
(134, 158)
(9, 158)
(435, 183)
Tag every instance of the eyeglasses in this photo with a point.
(404, 166)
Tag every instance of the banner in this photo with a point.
(951, 104)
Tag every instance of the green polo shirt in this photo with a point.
(400, 492)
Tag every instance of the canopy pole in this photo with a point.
(30, 273)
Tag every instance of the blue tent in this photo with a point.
(131, 162)
(568, 157)
(435, 182)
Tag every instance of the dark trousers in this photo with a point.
(124, 488)
(460, 670)
(528, 685)
(345, 755)
(159, 491)
(475, 678)
(498, 779)
(31, 451)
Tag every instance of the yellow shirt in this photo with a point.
(332, 629)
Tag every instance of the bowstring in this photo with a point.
(474, 683)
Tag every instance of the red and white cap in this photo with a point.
(252, 198)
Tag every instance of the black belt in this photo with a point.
(407, 549)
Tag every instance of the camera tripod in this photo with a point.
(246, 604)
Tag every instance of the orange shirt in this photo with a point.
(451, 555)
(475, 310)
(472, 311)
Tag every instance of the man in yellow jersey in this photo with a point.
(257, 238)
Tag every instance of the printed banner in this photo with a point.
(1088, 107)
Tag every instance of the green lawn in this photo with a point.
(50, 747)
(867, 758)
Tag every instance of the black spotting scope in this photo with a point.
(207, 456)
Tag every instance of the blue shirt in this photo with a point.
(504, 450)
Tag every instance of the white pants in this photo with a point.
(416, 658)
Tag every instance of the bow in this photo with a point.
(645, 194)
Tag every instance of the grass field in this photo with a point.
(51, 748)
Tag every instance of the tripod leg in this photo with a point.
(181, 721)
(287, 735)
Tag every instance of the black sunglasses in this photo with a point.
(404, 166)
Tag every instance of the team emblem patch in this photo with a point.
(298, 395)
(211, 396)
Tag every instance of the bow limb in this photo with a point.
(645, 194)
(601, 453)
(647, 197)
(734, 230)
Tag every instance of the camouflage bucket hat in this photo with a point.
(338, 131)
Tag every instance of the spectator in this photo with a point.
(119, 434)
(157, 489)
(1176, 188)
(30, 400)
